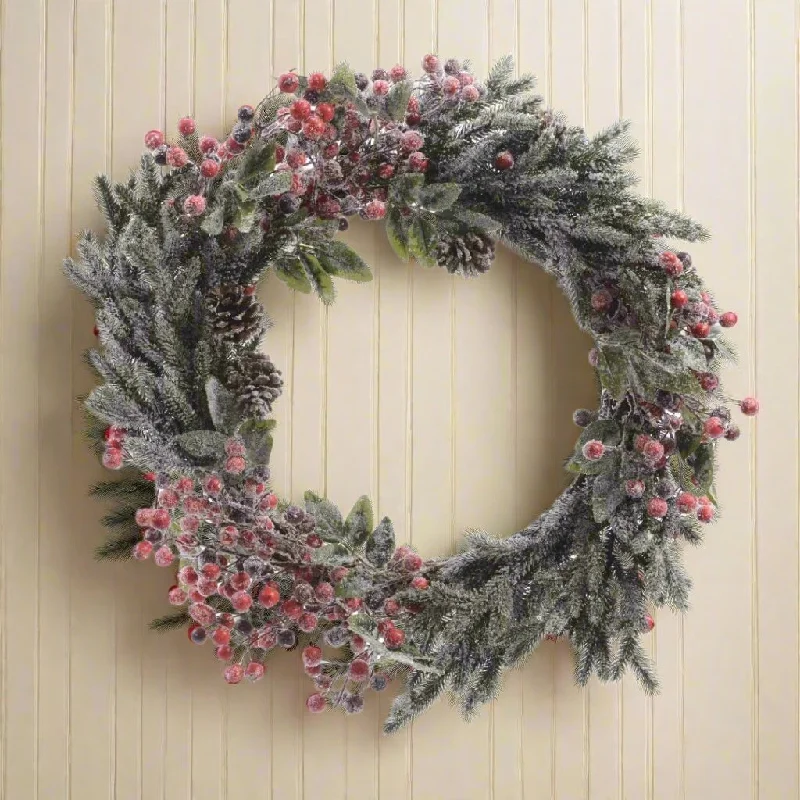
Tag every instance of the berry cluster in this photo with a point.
(252, 579)
(113, 440)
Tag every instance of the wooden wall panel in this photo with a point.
(382, 399)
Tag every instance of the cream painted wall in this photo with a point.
(447, 401)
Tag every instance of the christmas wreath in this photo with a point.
(185, 396)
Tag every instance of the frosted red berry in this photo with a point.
(412, 562)
(700, 330)
(308, 622)
(679, 298)
(314, 127)
(112, 458)
(161, 519)
(316, 703)
(593, 450)
(649, 622)
(601, 300)
(153, 139)
(177, 157)
(163, 556)
(187, 575)
(728, 319)
(686, 502)
(142, 550)
(469, 94)
(234, 673)
(312, 655)
(380, 88)
(504, 160)
(430, 63)
(397, 73)
(653, 450)
(326, 111)
(208, 144)
(288, 82)
(714, 427)
(254, 671)
(317, 81)
(221, 636)
(269, 596)
(176, 596)
(705, 512)
(209, 168)
(213, 485)
(657, 507)
(391, 606)
(708, 381)
(749, 406)
(418, 162)
(375, 209)
(202, 614)
(634, 489)
(451, 85)
(420, 582)
(186, 126)
(144, 517)
(300, 109)
(194, 205)
(241, 601)
(671, 264)
(224, 652)
(359, 670)
(411, 141)
(394, 637)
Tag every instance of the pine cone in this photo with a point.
(237, 316)
(468, 254)
(256, 384)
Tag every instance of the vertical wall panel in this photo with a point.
(381, 399)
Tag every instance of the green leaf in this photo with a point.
(319, 278)
(342, 79)
(380, 544)
(703, 465)
(340, 260)
(358, 524)
(607, 495)
(203, 445)
(397, 100)
(439, 196)
(257, 437)
(612, 369)
(405, 189)
(422, 240)
(245, 216)
(221, 406)
(396, 233)
(690, 352)
(328, 518)
(292, 273)
(257, 159)
(213, 221)
(274, 184)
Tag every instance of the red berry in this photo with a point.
(430, 63)
(308, 622)
(339, 574)
(241, 601)
(469, 94)
(601, 300)
(194, 205)
(186, 126)
(354, 603)
(687, 502)
(221, 636)
(418, 162)
(300, 109)
(714, 427)
(317, 81)
(380, 88)
(189, 524)
(708, 381)
(749, 406)
(657, 507)
(316, 703)
(114, 434)
(213, 485)
(272, 500)
(208, 144)
(144, 517)
(176, 157)
(451, 85)
(593, 450)
(288, 82)
(235, 465)
(292, 609)
(153, 139)
(705, 512)
(202, 614)
(634, 489)
(149, 476)
(679, 298)
(652, 450)
(164, 556)
(96, 330)
(254, 671)
(420, 582)
(394, 637)
(142, 551)
(176, 596)
(728, 319)
(398, 73)
(187, 575)
(413, 119)
(161, 519)
(504, 160)
(385, 171)
(391, 606)
(112, 458)
(324, 592)
(412, 562)
(209, 168)
(649, 622)
(326, 111)
(375, 209)
(359, 670)
(357, 644)
(671, 264)
(234, 673)
(314, 127)
(411, 141)
(312, 655)
(700, 330)
(211, 571)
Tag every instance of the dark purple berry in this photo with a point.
(362, 81)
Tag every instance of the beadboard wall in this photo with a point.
(447, 401)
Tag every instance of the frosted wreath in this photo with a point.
(185, 397)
